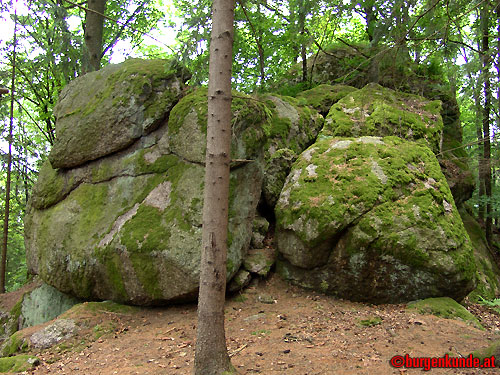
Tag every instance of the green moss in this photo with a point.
(239, 298)
(103, 329)
(18, 363)
(102, 172)
(15, 312)
(97, 307)
(141, 234)
(390, 192)
(197, 100)
(50, 187)
(445, 307)
(142, 76)
(229, 264)
(112, 264)
(377, 111)
(491, 350)
(324, 286)
(148, 274)
(249, 118)
(14, 344)
(370, 322)
(324, 96)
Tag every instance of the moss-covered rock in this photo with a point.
(445, 307)
(16, 343)
(18, 363)
(361, 64)
(135, 239)
(491, 351)
(322, 97)
(127, 226)
(372, 219)
(60, 330)
(131, 99)
(259, 261)
(292, 127)
(378, 111)
(239, 281)
(488, 273)
(259, 232)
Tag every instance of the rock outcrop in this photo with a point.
(362, 208)
(124, 222)
(372, 219)
(392, 68)
(127, 226)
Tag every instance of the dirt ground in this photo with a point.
(271, 328)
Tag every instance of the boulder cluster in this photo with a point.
(346, 180)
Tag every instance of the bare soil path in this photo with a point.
(271, 328)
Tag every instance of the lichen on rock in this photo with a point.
(127, 226)
(376, 222)
(378, 111)
(132, 99)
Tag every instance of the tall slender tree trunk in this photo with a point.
(497, 9)
(3, 262)
(478, 122)
(211, 357)
(374, 37)
(94, 26)
(302, 30)
(486, 64)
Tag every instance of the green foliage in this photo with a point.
(371, 322)
(494, 303)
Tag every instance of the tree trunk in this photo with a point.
(302, 30)
(368, 7)
(486, 64)
(211, 357)
(3, 262)
(94, 26)
(498, 96)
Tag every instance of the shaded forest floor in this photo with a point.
(271, 328)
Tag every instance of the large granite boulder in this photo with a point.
(293, 126)
(360, 64)
(127, 226)
(124, 222)
(128, 100)
(372, 219)
(378, 111)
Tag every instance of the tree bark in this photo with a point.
(302, 28)
(211, 357)
(486, 64)
(370, 11)
(3, 262)
(94, 26)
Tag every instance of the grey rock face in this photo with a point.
(127, 227)
(60, 330)
(43, 304)
(105, 111)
